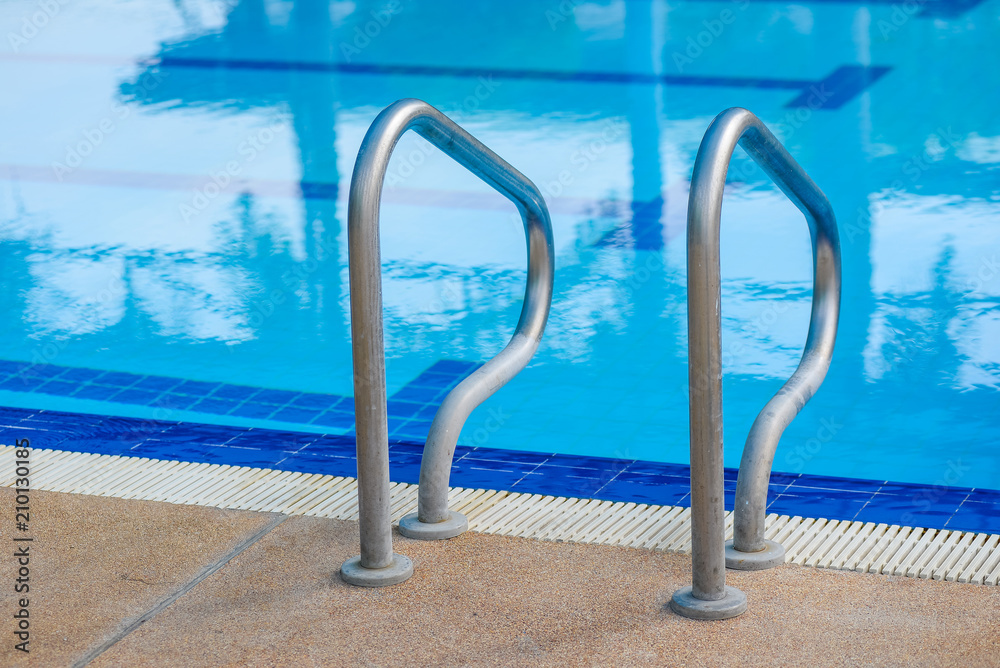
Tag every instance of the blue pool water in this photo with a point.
(173, 201)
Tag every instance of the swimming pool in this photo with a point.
(174, 199)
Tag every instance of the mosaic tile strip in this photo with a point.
(410, 410)
(934, 507)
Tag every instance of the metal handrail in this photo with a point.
(709, 597)
(378, 565)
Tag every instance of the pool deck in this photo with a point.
(225, 587)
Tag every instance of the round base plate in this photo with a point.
(411, 527)
(772, 555)
(685, 604)
(352, 572)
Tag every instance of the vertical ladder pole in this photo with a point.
(377, 565)
(708, 597)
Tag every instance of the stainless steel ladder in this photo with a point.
(378, 565)
(709, 597)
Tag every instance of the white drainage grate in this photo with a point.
(865, 547)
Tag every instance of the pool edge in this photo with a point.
(927, 553)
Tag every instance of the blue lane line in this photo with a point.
(476, 72)
(839, 88)
(944, 9)
(644, 231)
(935, 507)
(831, 92)
(318, 190)
(929, 9)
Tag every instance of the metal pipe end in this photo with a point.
(353, 573)
(685, 604)
(772, 555)
(411, 527)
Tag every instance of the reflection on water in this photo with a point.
(204, 236)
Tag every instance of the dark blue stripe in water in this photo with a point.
(927, 8)
(846, 82)
(316, 190)
(485, 73)
(836, 90)
(643, 231)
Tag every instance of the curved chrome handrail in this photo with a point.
(432, 519)
(731, 127)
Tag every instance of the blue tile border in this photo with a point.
(935, 507)
(410, 412)
(410, 409)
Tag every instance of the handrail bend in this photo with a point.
(731, 127)
(433, 517)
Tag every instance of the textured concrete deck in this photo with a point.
(250, 589)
